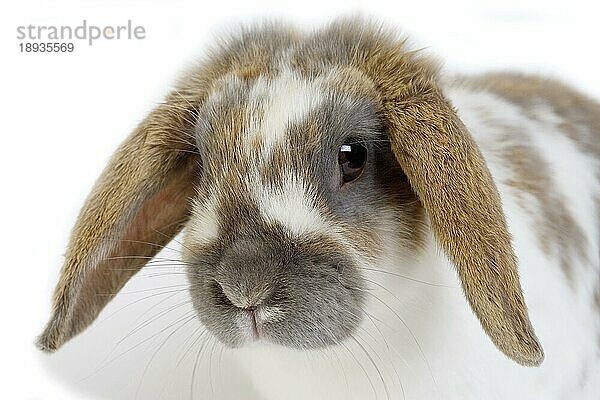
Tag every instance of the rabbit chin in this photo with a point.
(268, 327)
(253, 324)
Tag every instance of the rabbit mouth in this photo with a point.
(252, 316)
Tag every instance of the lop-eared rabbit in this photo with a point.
(327, 184)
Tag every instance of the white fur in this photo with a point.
(292, 206)
(204, 227)
(283, 101)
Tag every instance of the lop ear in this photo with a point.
(138, 204)
(450, 176)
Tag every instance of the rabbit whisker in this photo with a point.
(362, 367)
(161, 246)
(176, 241)
(390, 349)
(194, 334)
(210, 368)
(171, 292)
(142, 290)
(373, 363)
(152, 319)
(104, 364)
(408, 278)
(341, 367)
(413, 336)
(139, 386)
(198, 356)
(192, 342)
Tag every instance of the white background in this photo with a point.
(63, 114)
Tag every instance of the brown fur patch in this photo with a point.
(558, 232)
(580, 114)
(352, 82)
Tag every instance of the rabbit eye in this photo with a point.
(352, 159)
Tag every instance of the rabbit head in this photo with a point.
(286, 158)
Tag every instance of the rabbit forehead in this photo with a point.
(270, 147)
(258, 110)
(248, 118)
(275, 104)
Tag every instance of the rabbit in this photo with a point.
(357, 224)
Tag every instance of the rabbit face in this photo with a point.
(305, 148)
(291, 195)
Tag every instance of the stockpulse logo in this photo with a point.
(47, 36)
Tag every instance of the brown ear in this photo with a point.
(450, 176)
(140, 201)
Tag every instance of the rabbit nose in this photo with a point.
(244, 296)
(248, 272)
